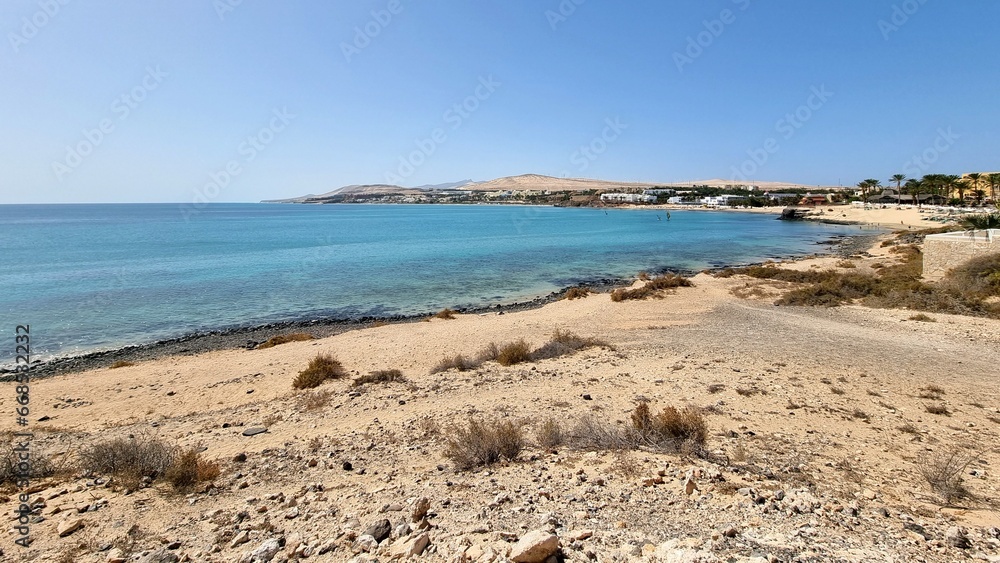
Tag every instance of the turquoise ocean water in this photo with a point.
(91, 277)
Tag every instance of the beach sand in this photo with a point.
(817, 433)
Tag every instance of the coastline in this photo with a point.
(246, 337)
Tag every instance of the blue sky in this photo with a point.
(229, 100)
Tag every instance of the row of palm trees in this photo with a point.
(948, 186)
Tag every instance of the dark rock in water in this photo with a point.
(379, 530)
(254, 431)
(792, 214)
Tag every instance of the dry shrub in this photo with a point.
(979, 277)
(933, 392)
(591, 433)
(40, 466)
(380, 376)
(652, 288)
(550, 434)
(920, 317)
(121, 364)
(563, 343)
(482, 443)
(446, 314)
(943, 471)
(189, 469)
(576, 293)
(937, 409)
(644, 276)
(846, 264)
(128, 459)
(314, 400)
(459, 362)
(320, 369)
(514, 353)
(285, 339)
(716, 388)
(674, 429)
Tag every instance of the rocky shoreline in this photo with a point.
(249, 336)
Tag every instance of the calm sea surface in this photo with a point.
(90, 277)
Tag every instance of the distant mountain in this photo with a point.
(524, 182)
(451, 186)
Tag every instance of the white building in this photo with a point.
(629, 198)
(720, 201)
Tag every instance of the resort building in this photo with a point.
(628, 198)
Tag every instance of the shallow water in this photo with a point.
(89, 277)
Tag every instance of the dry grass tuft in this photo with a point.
(320, 369)
(446, 314)
(563, 343)
(591, 433)
(514, 353)
(314, 400)
(482, 443)
(933, 392)
(846, 264)
(458, 362)
(189, 469)
(550, 434)
(920, 317)
(716, 388)
(285, 339)
(380, 376)
(121, 364)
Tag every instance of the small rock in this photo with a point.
(956, 536)
(115, 555)
(264, 553)
(379, 530)
(412, 547)
(159, 556)
(68, 526)
(535, 547)
(240, 539)
(420, 509)
(690, 486)
(366, 543)
(254, 431)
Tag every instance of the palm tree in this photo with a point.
(898, 178)
(954, 183)
(915, 187)
(865, 188)
(974, 179)
(981, 221)
(994, 180)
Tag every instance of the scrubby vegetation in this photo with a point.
(943, 471)
(189, 468)
(550, 434)
(285, 339)
(652, 288)
(380, 376)
(320, 369)
(576, 293)
(968, 290)
(481, 443)
(128, 460)
(671, 430)
(314, 400)
(446, 314)
(122, 364)
(512, 353)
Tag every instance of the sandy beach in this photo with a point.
(817, 432)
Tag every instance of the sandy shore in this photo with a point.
(889, 217)
(817, 431)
